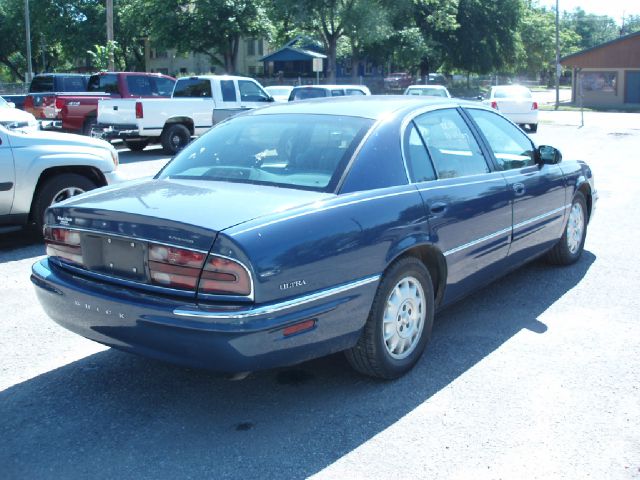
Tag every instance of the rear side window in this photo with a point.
(41, 84)
(139, 85)
(511, 147)
(228, 91)
(451, 145)
(337, 93)
(103, 83)
(418, 161)
(354, 91)
(193, 87)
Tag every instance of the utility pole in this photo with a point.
(110, 34)
(557, 54)
(27, 23)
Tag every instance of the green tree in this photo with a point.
(209, 27)
(592, 29)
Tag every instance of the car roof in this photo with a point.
(329, 86)
(428, 85)
(372, 106)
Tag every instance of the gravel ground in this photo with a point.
(535, 376)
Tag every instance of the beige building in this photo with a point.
(171, 63)
(607, 75)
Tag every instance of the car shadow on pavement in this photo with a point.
(20, 245)
(113, 414)
(149, 154)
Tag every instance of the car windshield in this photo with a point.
(306, 93)
(279, 91)
(288, 150)
(511, 92)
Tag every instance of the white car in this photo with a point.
(39, 168)
(428, 90)
(12, 117)
(516, 103)
(306, 92)
(280, 93)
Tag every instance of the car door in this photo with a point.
(537, 191)
(467, 202)
(7, 174)
(227, 100)
(252, 95)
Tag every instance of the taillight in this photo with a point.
(223, 276)
(534, 106)
(59, 103)
(175, 267)
(63, 243)
(139, 111)
(494, 104)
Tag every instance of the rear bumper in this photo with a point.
(112, 132)
(189, 334)
(529, 118)
(50, 124)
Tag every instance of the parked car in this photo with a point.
(39, 168)
(397, 81)
(196, 104)
(306, 92)
(366, 216)
(437, 79)
(77, 112)
(41, 99)
(12, 117)
(516, 103)
(280, 93)
(428, 91)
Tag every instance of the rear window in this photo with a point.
(511, 92)
(299, 151)
(429, 92)
(73, 84)
(41, 84)
(306, 93)
(193, 87)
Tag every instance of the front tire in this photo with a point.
(399, 324)
(174, 138)
(56, 189)
(569, 249)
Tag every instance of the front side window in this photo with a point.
(307, 93)
(451, 145)
(251, 92)
(298, 151)
(193, 88)
(511, 147)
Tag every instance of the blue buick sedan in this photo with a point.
(304, 229)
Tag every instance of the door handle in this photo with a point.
(518, 189)
(437, 207)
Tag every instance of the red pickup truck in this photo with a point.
(76, 112)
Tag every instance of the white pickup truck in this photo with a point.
(195, 105)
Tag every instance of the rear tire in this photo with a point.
(56, 189)
(569, 249)
(399, 324)
(174, 138)
(136, 145)
(533, 128)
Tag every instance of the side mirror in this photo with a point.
(271, 99)
(548, 155)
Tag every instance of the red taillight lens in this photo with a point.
(175, 267)
(63, 243)
(139, 111)
(494, 104)
(223, 276)
(534, 106)
(59, 103)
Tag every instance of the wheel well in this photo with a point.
(93, 174)
(434, 261)
(585, 189)
(186, 121)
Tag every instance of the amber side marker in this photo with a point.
(299, 327)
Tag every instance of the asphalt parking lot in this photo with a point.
(535, 376)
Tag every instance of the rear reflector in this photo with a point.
(223, 276)
(299, 327)
(534, 106)
(63, 243)
(175, 267)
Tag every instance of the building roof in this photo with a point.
(623, 52)
(291, 54)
